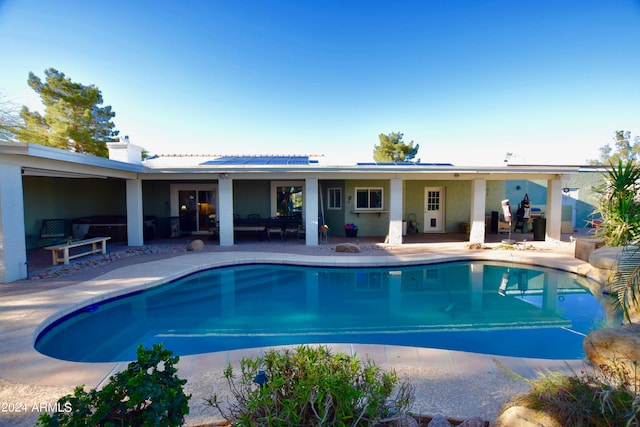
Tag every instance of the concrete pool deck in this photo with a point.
(456, 384)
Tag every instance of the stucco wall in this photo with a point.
(252, 197)
(369, 224)
(156, 198)
(495, 195)
(457, 200)
(584, 182)
(334, 218)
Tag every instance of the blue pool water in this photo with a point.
(481, 307)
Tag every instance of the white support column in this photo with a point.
(554, 210)
(135, 218)
(395, 212)
(311, 211)
(225, 211)
(478, 206)
(13, 248)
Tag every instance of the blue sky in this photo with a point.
(549, 81)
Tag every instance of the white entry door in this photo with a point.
(434, 209)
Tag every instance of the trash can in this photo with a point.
(539, 228)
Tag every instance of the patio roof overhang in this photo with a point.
(466, 173)
(41, 160)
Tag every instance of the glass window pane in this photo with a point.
(289, 200)
(335, 198)
(375, 198)
(362, 199)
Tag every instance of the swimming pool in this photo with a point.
(483, 307)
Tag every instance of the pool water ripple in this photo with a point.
(482, 307)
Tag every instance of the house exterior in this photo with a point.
(200, 195)
(579, 196)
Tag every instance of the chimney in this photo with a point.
(123, 151)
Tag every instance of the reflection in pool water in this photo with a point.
(482, 307)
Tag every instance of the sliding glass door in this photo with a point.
(196, 206)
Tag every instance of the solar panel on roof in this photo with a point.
(401, 164)
(259, 160)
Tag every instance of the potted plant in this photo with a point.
(351, 230)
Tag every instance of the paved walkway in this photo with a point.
(454, 383)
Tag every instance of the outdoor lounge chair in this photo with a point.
(55, 230)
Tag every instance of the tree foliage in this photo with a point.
(393, 149)
(9, 119)
(625, 149)
(73, 119)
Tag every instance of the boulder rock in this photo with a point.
(348, 247)
(618, 348)
(196, 245)
(524, 417)
(605, 258)
(439, 420)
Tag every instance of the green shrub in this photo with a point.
(619, 204)
(607, 397)
(309, 386)
(142, 395)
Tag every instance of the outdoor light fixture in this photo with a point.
(261, 379)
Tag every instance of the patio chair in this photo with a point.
(290, 226)
(302, 232)
(274, 227)
(55, 230)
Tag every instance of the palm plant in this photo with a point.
(625, 285)
(619, 206)
(619, 209)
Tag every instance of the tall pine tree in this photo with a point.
(393, 149)
(73, 118)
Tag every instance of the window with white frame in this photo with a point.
(369, 198)
(335, 198)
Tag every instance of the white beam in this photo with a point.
(554, 210)
(13, 248)
(135, 218)
(478, 206)
(225, 213)
(311, 211)
(395, 212)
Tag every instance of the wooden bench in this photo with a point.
(60, 252)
